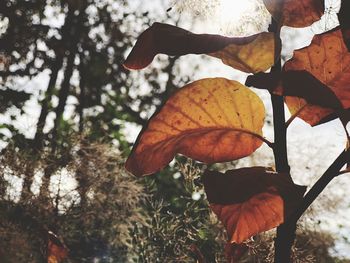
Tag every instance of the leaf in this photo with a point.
(344, 21)
(57, 251)
(210, 120)
(297, 83)
(295, 13)
(251, 200)
(328, 60)
(249, 54)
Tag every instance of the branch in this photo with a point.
(319, 186)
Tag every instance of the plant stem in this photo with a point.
(280, 134)
(286, 232)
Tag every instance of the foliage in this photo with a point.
(177, 236)
(95, 222)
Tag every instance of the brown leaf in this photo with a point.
(296, 83)
(295, 13)
(210, 120)
(344, 20)
(251, 200)
(328, 60)
(249, 54)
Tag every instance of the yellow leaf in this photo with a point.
(210, 120)
(253, 57)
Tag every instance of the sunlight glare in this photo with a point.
(229, 17)
(237, 17)
(234, 10)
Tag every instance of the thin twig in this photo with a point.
(344, 172)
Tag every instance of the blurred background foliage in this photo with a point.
(67, 105)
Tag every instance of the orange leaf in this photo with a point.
(210, 120)
(328, 60)
(344, 20)
(295, 13)
(249, 54)
(251, 200)
(57, 251)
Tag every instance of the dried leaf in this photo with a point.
(344, 20)
(251, 200)
(295, 13)
(328, 60)
(249, 54)
(210, 120)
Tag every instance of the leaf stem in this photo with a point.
(292, 118)
(344, 172)
(258, 136)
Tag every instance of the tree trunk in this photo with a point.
(26, 193)
(37, 142)
(63, 94)
(82, 84)
(44, 194)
